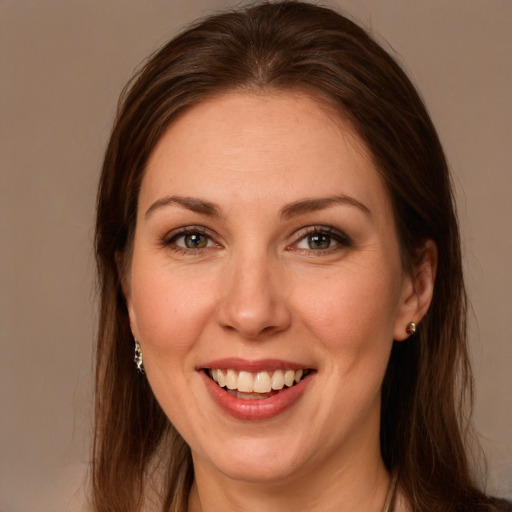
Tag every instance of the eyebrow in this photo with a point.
(291, 210)
(190, 203)
(315, 204)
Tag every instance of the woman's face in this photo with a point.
(265, 247)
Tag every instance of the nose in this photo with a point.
(254, 300)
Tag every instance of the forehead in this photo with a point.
(259, 145)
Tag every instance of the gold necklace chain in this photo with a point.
(390, 498)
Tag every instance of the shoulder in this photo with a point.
(502, 505)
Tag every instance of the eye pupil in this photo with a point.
(195, 241)
(319, 241)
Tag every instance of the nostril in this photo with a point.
(253, 326)
(252, 305)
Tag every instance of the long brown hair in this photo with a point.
(427, 389)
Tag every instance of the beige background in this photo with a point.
(62, 65)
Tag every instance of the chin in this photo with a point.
(258, 472)
(254, 461)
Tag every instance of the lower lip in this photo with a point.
(256, 409)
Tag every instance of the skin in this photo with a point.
(258, 290)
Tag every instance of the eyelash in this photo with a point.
(170, 240)
(340, 239)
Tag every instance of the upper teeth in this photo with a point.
(260, 382)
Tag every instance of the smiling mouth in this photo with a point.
(256, 385)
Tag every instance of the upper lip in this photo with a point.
(257, 365)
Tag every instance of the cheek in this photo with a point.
(170, 313)
(353, 313)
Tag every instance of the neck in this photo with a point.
(360, 484)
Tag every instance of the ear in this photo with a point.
(124, 279)
(417, 290)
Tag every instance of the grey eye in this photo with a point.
(194, 241)
(317, 242)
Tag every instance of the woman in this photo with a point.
(279, 255)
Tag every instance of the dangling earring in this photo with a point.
(138, 358)
(411, 328)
